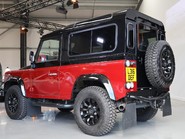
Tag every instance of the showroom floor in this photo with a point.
(56, 125)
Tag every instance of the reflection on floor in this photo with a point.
(54, 124)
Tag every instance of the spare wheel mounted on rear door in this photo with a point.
(160, 64)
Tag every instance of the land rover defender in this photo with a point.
(96, 67)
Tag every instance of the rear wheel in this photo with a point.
(144, 114)
(94, 111)
(15, 103)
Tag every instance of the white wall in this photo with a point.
(10, 47)
(11, 39)
(10, 57)
(172, 14)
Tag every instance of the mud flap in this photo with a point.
(166, 108)
(129, 116)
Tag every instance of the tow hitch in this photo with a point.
(163, 102)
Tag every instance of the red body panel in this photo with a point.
(58, 82)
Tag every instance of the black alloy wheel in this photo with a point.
(166, 62)
(94, 111)
(15, 103)
(90, 111)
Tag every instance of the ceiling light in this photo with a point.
(75, 5)
(23, 29)
(73, 2)
(61, 9)
(70, 2)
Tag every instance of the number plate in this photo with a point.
(131, 74)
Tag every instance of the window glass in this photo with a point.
(130, 35)
(146, 35)
(103, 39)
(93, 41)
(49, 50)
(80, 43)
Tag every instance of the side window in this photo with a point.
(80, 43)
(146, 35)
(93, 41)
(130, 36)
(103, 39)
(49, 50)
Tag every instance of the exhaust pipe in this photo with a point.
(121, 107)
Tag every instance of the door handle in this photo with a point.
(52, 74)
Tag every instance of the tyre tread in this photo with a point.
(152, 67)
(104, 129)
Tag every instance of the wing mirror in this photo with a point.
(31, 56)
(32, 59)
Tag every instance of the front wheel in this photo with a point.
(15, 103)
(94, 111)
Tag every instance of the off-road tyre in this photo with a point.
(160, 64)
(145, 114)
(100, 108)
(15, 103)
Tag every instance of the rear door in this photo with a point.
(146, 33)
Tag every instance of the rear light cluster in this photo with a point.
(129, 84)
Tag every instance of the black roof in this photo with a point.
(133, 14)
(129, 14)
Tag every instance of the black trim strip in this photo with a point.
(91, 59)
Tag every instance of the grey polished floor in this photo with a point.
(56, 125)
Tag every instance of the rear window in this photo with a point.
(93, 41)
(146, 35)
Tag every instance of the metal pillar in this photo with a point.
(23, 46)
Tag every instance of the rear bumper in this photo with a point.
(155, 102)
(162, 101)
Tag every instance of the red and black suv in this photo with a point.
(97, 67)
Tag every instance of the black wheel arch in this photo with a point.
(15, 81)
(93, 80)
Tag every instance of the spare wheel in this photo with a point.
(160, 64)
